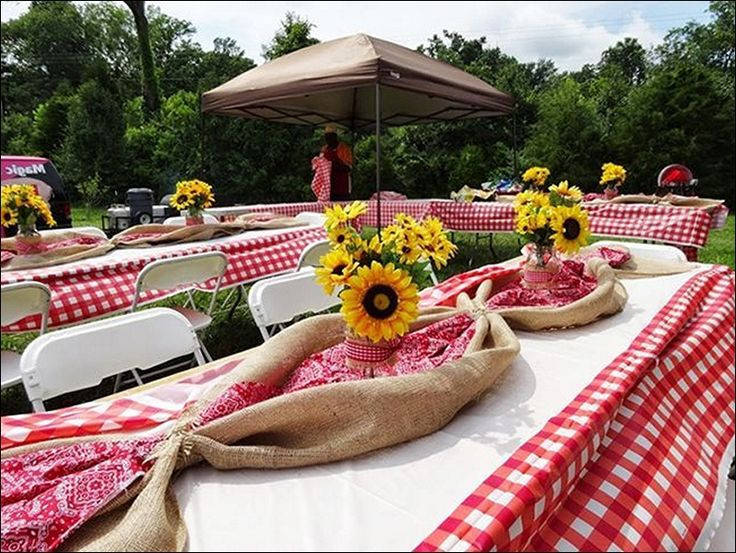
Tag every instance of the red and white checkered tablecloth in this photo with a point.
(106, 284)
(475, 217)
(632, 463)
(718, 217)
(683, 226)
(669, 224)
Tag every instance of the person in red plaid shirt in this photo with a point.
(342, 164)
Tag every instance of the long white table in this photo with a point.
(392, 499)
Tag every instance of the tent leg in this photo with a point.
(513, 134)
(378, 158)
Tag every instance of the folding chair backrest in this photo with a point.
(166, 274)
(208, 220)
(22, 299)
(52, 364)
(277, 300)
(91, 231)
(656, 251)
(311, 254)
(311, 218)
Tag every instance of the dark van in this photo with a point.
(41, 173)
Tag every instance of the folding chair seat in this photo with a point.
(18, 301)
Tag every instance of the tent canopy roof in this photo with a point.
(335, 81)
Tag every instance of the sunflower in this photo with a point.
(613, 175)
(181, 200)
(405, 221)
(536, 175)
(390, 233)
(571, 228)
(339, 216)
(433, 226)
(567, 192)
(341, 236)
(380, 302)
(440, 250)
(355, 210)
(408, 247)
(531, 198)
(373, 246)
(337, 267)
(8, 217)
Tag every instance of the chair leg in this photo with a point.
(118, 380)
(137, 377)
(206, 353)
(199, 356)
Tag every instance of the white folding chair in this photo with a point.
(311, 254)
(18, 301)
(188, 270)
(432, 274)
(208, 220)
(311, 218)
(92, 231)
(656, 251)
(81, 356)
(275, 301)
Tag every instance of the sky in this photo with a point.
(569, 33)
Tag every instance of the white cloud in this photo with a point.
(569, 33)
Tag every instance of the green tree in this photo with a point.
(148, 74)
(94, 142)
(679, 115)
(50, 122)
(41, 49)
(567, 136)
(627, 58)
(295, 33)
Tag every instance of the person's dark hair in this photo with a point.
(331, 139)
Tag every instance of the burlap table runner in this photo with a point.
(54, 255)
(669, 199)
(158, 234)
(608, 298)
(316, 425)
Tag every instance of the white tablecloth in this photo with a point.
(390, 500)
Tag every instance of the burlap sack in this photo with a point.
(640, 266)
(56, 256)
(609, 297)
(316, 425)
(177, 234)
(669, 199)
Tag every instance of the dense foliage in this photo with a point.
(72, 91)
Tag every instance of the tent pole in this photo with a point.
(513, 134)
(378, 157)
(201, 138)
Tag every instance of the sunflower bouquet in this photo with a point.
(379, 278)
(612, 177)
(550, 223)
(194, 196)
(536, 176)
(22, 206)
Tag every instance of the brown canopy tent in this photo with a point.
(357, 82)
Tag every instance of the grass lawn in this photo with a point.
(229, 334)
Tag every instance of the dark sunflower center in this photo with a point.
(571, 229)
(182, 199)
(380, 301)
(340, 238)
(406, 250)
(338, 269)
